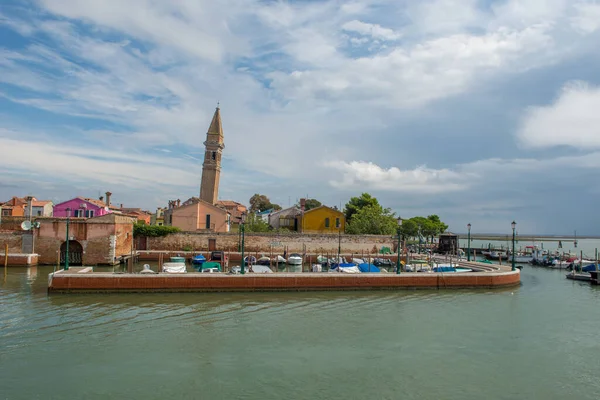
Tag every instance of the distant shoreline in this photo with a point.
(526, 238)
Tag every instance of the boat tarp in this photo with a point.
(366, 267)
(444, 268)
(174, 268)
(211, 264)
(347, 270)
(199, 258)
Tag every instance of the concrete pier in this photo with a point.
(85, 280)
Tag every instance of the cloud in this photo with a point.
(571, 120)
(587, 17)
(376, 31)
(61, 161)
(358, 175)
(129, 88)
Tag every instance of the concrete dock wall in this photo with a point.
(76, 281)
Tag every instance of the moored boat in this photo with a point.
(174, 268)
(178, 259)
(294, 259)
(249, 260)
(210, 267)
(198, 259)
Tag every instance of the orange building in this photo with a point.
(198, 215)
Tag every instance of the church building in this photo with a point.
(206, 212)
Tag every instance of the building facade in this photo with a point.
(40, 208)
(288, 218)
(323, 219)
(211, 168)
(198, 215)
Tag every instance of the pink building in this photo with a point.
(82, 207)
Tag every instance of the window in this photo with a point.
(326, 222)
(6, 213)
(284, 221)
(337, 222)
(214, 155)
(39, 213)
(78, 213)
(207, 221)
(89, 213)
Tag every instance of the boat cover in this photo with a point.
(347, 270)
(444, 268)
(366, 267)
(174, 268)
(199, 259)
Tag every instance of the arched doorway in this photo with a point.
(75, 252)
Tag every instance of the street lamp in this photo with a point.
(242, 269)
(469, 242)
(67, 247)
(399, 230)
(514, 226)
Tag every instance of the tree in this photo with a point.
(260, 202)
(357, 203)
(309, 204)
(373, 220)
(256, 224)
(409, 228)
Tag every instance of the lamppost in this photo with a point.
(469, 242)
(67, 247)
(242, 269)
(514, 226)
(399, 231)
(339, 243)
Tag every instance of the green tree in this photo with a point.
(409, 228)
(358, 203)
(310, 204)
(256, 224)
(141, 229)
(260, 202)
(373, 220)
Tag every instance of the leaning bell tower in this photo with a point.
(211, 168)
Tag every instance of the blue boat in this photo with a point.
(342, 265)
(198, 260)
(444, 268)
(366, 267)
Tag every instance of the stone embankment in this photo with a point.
(85, 280)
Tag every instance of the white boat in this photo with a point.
(294, 259)
(147, 270)
(317, 268)
(346, 270)
(174, 268)
(278, 260)
(358, 261)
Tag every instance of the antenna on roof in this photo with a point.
(218, 103)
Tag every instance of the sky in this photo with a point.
(480, 111)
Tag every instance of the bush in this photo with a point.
(153, 230)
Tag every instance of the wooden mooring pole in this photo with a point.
(5, 260)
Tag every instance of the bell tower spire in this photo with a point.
(211, 168)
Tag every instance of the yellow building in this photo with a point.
(323, 219)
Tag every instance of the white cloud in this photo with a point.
(587, 17)
(369, 176)
(572, 120)
(61, 161)
(376, 31)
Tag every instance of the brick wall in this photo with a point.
(312, 243)
(13, 239)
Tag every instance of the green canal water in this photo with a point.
(536, 341)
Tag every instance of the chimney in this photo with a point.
(108, 194)
(178, 202)
(121, 205)
(101, 198)
(302, 204)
